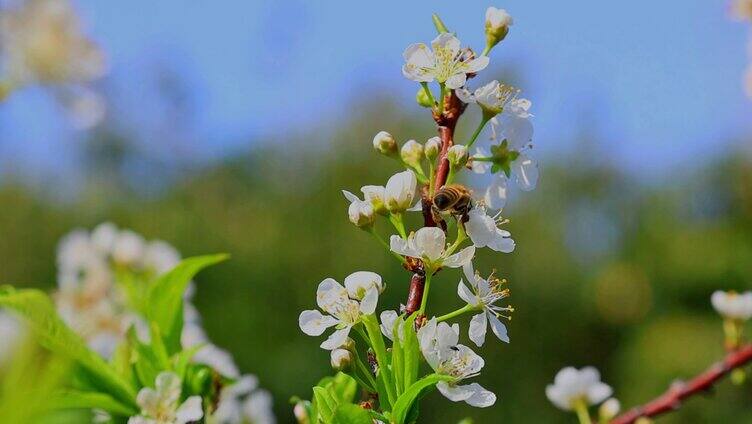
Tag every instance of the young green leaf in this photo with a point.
(72, 399)
(165, 297)
(413, 393)
(411, 352)
(52, 333)
(349, 413)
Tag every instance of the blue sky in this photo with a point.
(658, 81)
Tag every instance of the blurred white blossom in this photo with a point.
(572, 386)
(160, 405)
(732, 305)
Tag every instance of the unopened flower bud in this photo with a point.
(384, 143)
(431, 150)
(457, 156)
(412, 153)
(301, 413)
(400, 191)
(361, 214)
(341, 359)
(498, 22)
(609, 409)
(422, 98)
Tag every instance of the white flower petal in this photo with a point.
(314, 323)
(496, 194)
(480, 398)
(525, 171)
(456, 81)
(460, 259)
(349, 196)
(453, 392)
(190, 410)
(399, 245)
(477, 64)
(498, 327)
(388, 318)
(330, 293)
(599, 392)
(477, 331)
(358, 283)
(465, 294)
(337, 339)
(368, 305)
(430, 242)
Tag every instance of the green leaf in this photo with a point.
(325, 404)
(145, 360)
(343, 388)
(53, 334)
(411, 352)
(377, 343)
(73, 399)
(349, 413)
(165, 297)
(398, 362)
(413, 393)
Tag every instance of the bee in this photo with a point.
(454, 199)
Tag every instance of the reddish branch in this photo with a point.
(672, 399)
(446, 123)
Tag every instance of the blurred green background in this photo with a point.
(609, 270)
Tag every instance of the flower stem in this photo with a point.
(428, 92)
(442, 94)
(458, 312)
(432, 179)
(396, 220)
(426, 289)
(580, 408)
(487, 50)
(382, 242)
(461, 236)
(371, 384)
(475, 135)
(379, 348)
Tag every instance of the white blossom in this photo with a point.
(360, 212)
(609, 409)
(484, 231)
(429, 245)
(210, 354)
(513, 132)
(483, 295)
(244, 402)
(128, 248)
(160, 256)
(43, 42)
(497, 19)
(343, 312)
(492, 97)
(388, 319)
(446, 64)
(572, 386)
(732, 305)
(400, 191)
(438, 343)
(161, 404)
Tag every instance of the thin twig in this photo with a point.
(672, 399)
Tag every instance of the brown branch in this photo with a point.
(446, 123)
(671, 400)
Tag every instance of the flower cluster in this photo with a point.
(427, 187)
(42, 42)
(101, 276)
